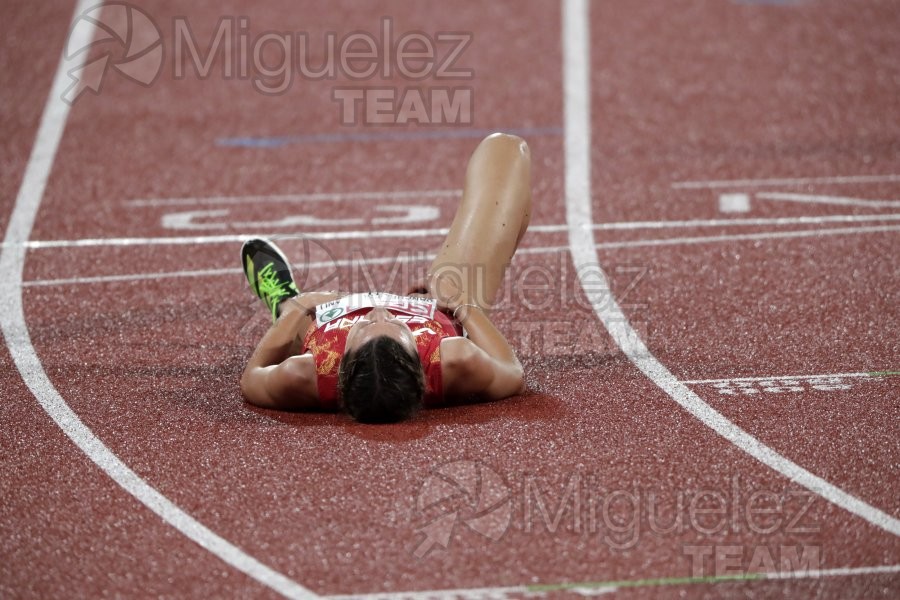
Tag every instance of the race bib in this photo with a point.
(418, 307)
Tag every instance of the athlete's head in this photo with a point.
(380, 377)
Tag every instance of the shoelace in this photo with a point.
(270, 287)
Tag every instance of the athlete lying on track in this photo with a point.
(381, 357)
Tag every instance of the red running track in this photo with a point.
(600, 475)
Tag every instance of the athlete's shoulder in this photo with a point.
(289, 385)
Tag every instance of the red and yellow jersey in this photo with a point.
(327, 337)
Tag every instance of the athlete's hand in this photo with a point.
(447, 287)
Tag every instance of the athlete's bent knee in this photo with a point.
(507, 142)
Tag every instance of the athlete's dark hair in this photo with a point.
(381, 382)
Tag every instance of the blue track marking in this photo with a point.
(387, 136)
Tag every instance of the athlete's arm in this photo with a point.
(274, 376)
(484, 364)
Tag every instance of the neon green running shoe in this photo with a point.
(268, 273)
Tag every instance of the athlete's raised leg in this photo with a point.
(489, 223)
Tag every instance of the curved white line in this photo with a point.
(18, 340)
(576, 82)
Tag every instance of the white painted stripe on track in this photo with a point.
(576, 82)
(600, 587)
(734, 203)
(132, 277)
(18, 340)
(743, 222)
(487, 593)
(838, 179)
(228, 239)
(381, 260)
(299, 198)
(713, 239)
(835, 200)
(838, 572)
(733, 222)
(409, 233)
(775, 378)
(521, 251)
(743, 237)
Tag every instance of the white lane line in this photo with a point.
(838, 572)
(418, 257)
(589, 588)
(487, 593)
(840, 179)
(131, 277)
(380, 260)
(594, 283)
(701, 223)
(230, 238)
(835, 200)
(712, 239)
(18, 340)
(413, 233)
(776, 378)
(279, 198)
(739, 237)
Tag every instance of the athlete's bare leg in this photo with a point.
(489, 223)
